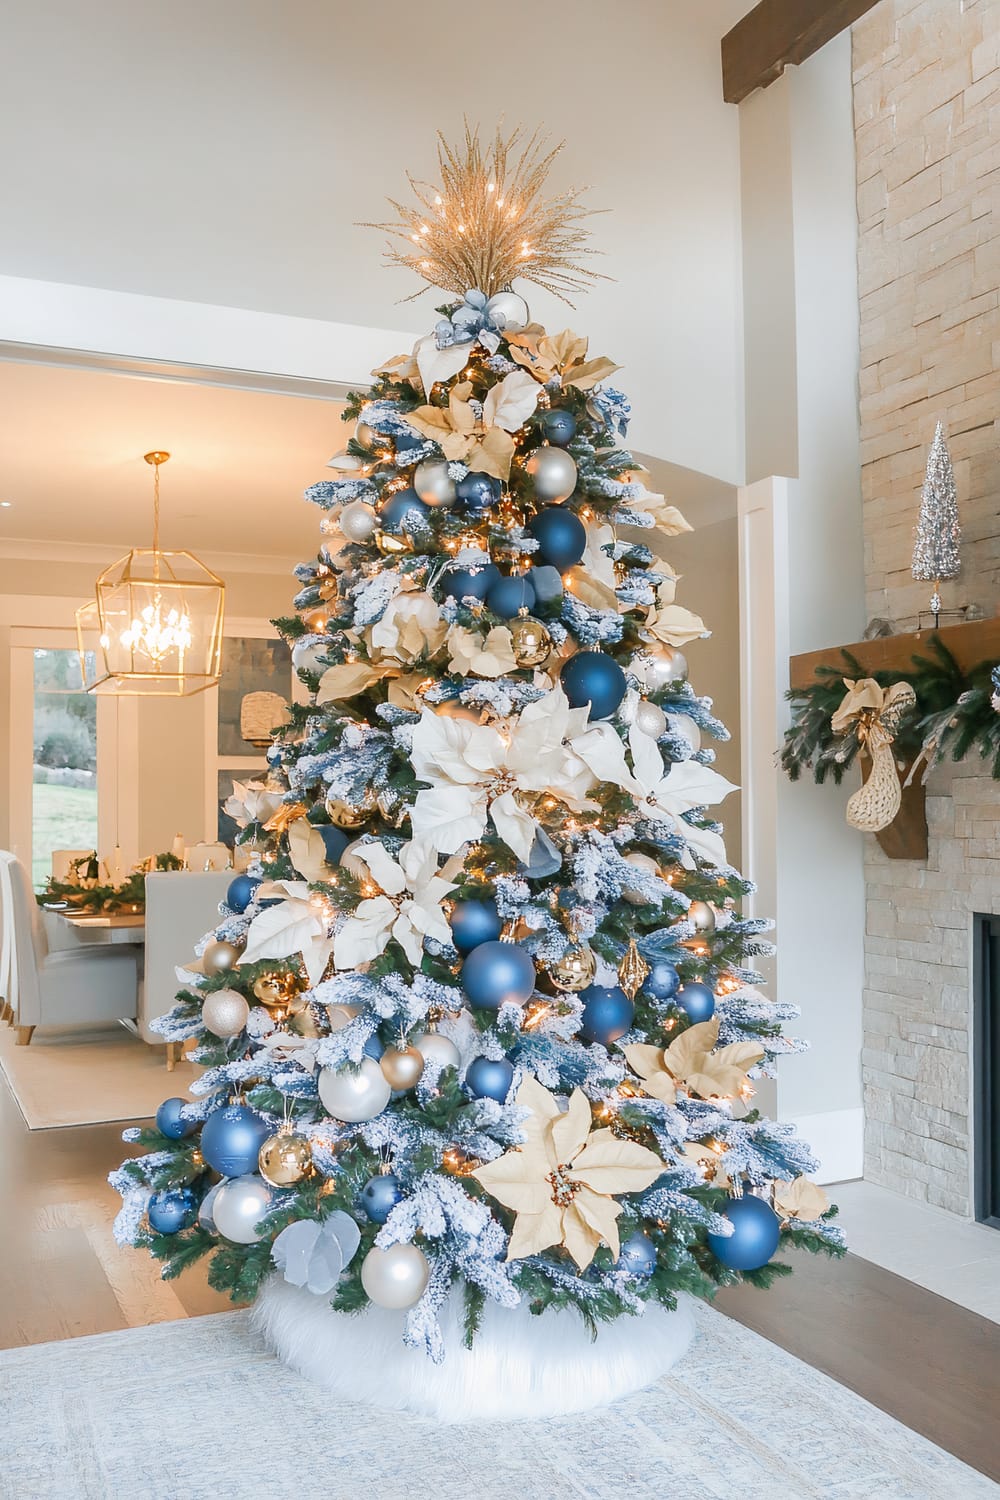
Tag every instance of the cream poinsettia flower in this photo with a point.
(483, 441)
(411, 627)
(673, 625)
(299, 923)
(665, 792)
(666, 517)
(480, 773)
(561, 356)
(405, 904)
(693, 1061)
(251, 802)
(561, 1183)
(800, 1199)
(473, 655)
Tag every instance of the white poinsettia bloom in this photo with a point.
(407, 906)
(597, 563)
(251, 802)
(665, 792)
(411, 626)
(472, 655)
(300, 923)
(479, 773)
(672, 624)
(666, 517)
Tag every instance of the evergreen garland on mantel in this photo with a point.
(954, 715)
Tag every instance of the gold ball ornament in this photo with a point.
(275, 991)
(392, 546)
(351, 814)
(641, 862)
(402, 1066)
(220, 957)
(392, 807)
(317, 620)
(225, 1013)
(284, 1159)
(702, 915)
(575, 970)
(530, 641)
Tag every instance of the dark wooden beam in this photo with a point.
(971, 642)
(779, 32)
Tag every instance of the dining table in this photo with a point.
(103, 927)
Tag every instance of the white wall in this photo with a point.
(224, 153)
(803, 571)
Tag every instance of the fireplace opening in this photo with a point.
(986, 1066)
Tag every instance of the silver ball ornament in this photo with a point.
(207, 1208)
(438, 1049)
(650, 718)
(662, 666)
(239, 1206)
(433, 483)
(354, 1094)
(685, 725)
(306, 656)
(395, 1278)
(367, 436)
(402, 1066)
(643, 862)
(225, 1013)
(510, 307)
(357, 521)
(702, 915)
(553, 473)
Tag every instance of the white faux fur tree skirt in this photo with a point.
(519, 1367)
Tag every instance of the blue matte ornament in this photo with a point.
(509, 595)
(474, 922)
(544, 858)
(607, 1013)
(593, 677)
(374, 1047)
(696, 1000)
(489, 1078)
(561, 536)
(547, 583)
(240, 892)
(478, 491)
(170, 1123)
(475, 581)
(756, 1232)
(380, 1195)
(171, 1210)
(662, 982)
(402, 509)
(403, 442)
(638, 1256)
(335, 841)
(496, 973)
(558, 425)
(231, 1139)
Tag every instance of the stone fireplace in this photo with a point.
(926, 80)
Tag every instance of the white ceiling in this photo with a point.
(71, 463)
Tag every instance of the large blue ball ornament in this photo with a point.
(509, 595)
(240, 892)
(380, 1195)
(558, 425)
(607, 1013)
(547, 583)
(638, 1255)
(231, 1139)
(172, 1210)
(561, 536)
(402, 509)
(475, 581)
(696, 1000)
(496, 973)
(405, 442)
(593, 677)
(489, 1078)
(478, 491)
(662, 982)
(474, 922)
(755, 1236)
(335, 841)
(170, 1123)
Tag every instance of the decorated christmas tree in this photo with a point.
(938, 533)
(482, 1019)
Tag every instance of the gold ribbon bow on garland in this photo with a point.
(875, 715)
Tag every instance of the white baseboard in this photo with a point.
(837, 1138)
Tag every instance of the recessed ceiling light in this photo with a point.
(6, 504)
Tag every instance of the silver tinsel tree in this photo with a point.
(935, 547)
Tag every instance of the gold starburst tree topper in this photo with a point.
(489, 220)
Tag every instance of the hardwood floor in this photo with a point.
(929, 1363)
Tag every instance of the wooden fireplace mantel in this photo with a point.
(970, 643)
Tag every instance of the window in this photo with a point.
(64, 761)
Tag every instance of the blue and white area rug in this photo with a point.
(198, 1410)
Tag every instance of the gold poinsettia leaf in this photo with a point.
(611, 1165)
(800, 1199)
(517, 1180)
(402, 367)
(569, 1131)
(287, 813)
(404, 691)
(648, 1062)
(533, 1233)
(307, 851)
(561, 350)
(685, 1052)
(583, 585)
(352, 677)
(492, 453)
(578, 1236)
(586, 376)
(600, 1215)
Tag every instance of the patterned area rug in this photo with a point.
(199, 1411)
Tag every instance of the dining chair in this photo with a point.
(210, 856)
(77, 986)
(64, 859)
(181, 906)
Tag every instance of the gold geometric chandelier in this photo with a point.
(157, 617)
